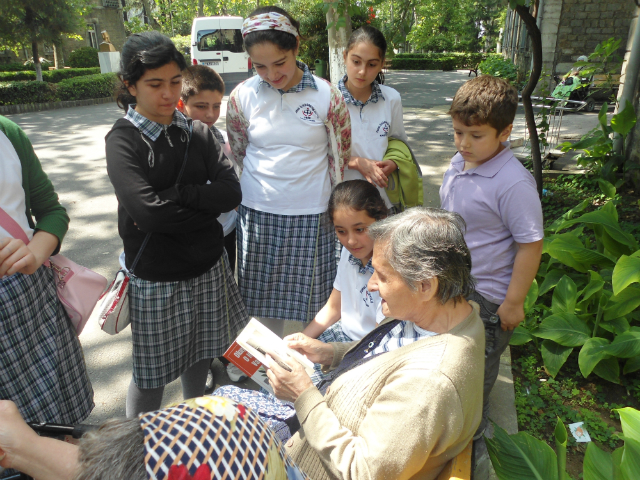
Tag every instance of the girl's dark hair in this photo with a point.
(141, 52)
(373, 36)
(358, 195)
(283, 40)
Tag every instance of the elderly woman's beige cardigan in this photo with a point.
(401, 415)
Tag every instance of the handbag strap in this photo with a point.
(184, 164)
(12, 227)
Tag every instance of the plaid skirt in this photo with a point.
(176, 324)
(332, 334)
(42, 367)
(286, 263)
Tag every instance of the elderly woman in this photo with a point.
(405, 399)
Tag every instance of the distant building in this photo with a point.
(105, 15)
(569, 28)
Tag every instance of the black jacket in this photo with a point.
(187, 239)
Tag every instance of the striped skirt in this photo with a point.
(286, 263)
(176, 324)
(42, 367)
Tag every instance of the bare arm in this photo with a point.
(369, 169)
(15, 256)
(525, 267)
(40, 457)
(327, 316)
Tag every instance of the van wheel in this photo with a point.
(590, 106)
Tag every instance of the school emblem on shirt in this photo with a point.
(366, 296)
(307, 112)
(383, 129)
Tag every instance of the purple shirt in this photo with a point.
(499, 202)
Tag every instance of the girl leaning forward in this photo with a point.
(290, 133)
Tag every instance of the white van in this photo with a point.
(217, 43)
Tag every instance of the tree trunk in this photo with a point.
(201, 8)
(147, 14)
(338, 39)
(36, 58)
(536, 69)
(55, 57)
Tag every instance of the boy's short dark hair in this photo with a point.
(485, 100)
(196, 78)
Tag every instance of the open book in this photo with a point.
(249, 351)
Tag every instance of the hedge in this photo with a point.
(438, 61)
(84, 57)
(92, 86)
(16, 67)
(79, 88)
(51, 76)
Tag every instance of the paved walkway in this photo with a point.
(70, 144)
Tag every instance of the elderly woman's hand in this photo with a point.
(314, 350)
(14, 434)
(287, 385)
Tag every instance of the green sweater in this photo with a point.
(41, 199)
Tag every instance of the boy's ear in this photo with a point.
(504, 135)
(180, 106)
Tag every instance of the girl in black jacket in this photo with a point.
(184, 303)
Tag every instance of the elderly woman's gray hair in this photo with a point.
(423, 243)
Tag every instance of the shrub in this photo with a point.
(438, 61)
(84, 57)
(16, 67)
(92, 86)
(51, 76)
(15, 93)
(498, 67)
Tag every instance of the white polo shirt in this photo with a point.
(372, 123)
(360, 309)
(286, 170)
(12, 196)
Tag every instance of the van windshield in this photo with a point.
(218, 40)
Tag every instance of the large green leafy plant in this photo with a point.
(586, 294)
(524, 457)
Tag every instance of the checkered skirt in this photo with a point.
(176, 324)
(42, 367)
(332, 334)
(276, 259)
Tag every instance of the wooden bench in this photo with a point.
(459, 468)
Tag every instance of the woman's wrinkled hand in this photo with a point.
(314, 350)
(14, 434)
(287, 385)
(16, 257)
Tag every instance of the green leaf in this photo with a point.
(564, 296)
(560, 434)
(616, 326)
(532, 296)
(625, 345)
(554, 356)
(626, 272)
(521, 456)
(520, 336)
(606, 216)
(632, 365)
(594, 286)
(564, 328)
(602, 114)
(565, 250)
(624, 121)
(612, 245)
(607, 188)
(609, 369)
(616, 460)
(622, 304)
(591, 353)
(597, 464)
(630, 422)
(568, 215)
(551, 279)
(630, 461)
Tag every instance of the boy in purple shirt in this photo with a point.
(498, 199)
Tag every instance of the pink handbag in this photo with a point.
(78, 287)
